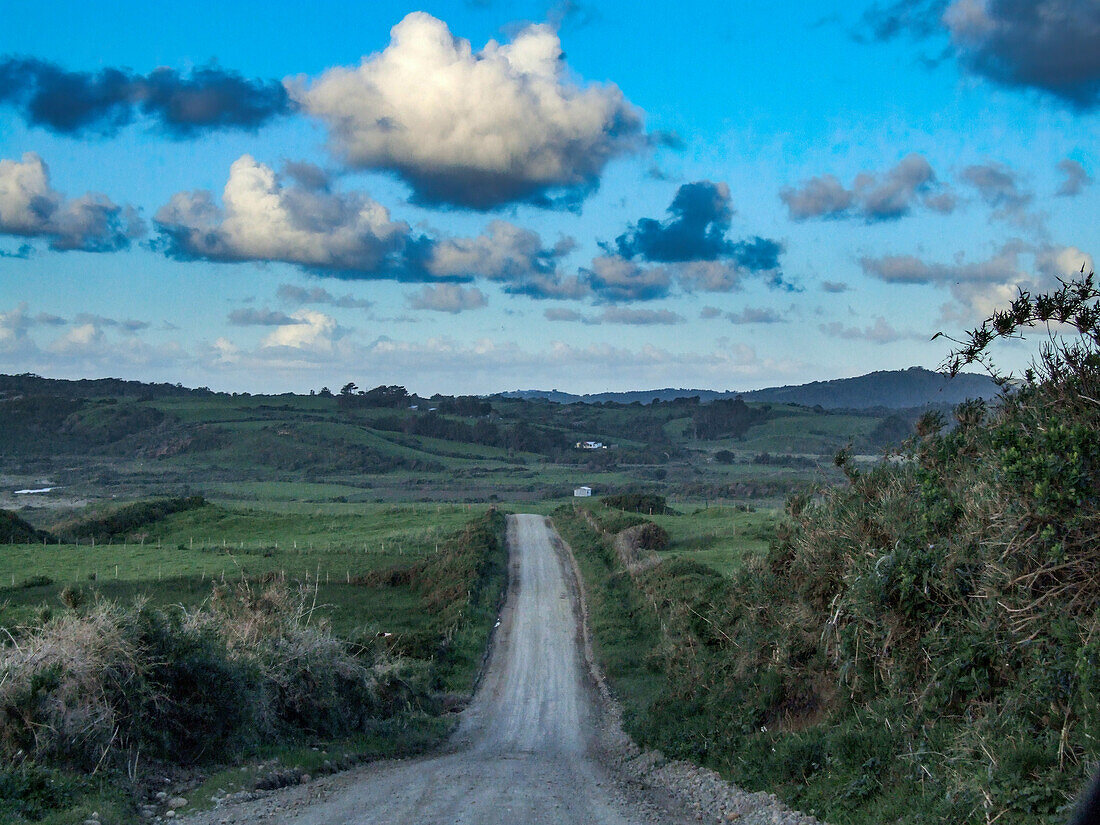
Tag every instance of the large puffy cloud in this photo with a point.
(76, 102)
(262, 219)
(476, 129)
(1043, 44)
(30, 207)
(873, 196)
(450, 298)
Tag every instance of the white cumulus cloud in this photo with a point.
(312, 331)
(477, 129)
(262, 219)
(30, 207)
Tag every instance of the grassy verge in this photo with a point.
(278, 674)
(917, 646)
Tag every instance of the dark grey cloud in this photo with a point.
(562, 314)
(834, 286)
(308, 175)
(1050, 45)
(1047, 45)
(508, 254)
(1076, 178)
(696, 231)
(47, 319)
(693, 242)
(913, 18)
(873, 196)
(251, 317)
(909, 269)
(31, 208)
(182, 106)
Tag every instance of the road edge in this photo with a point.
(678, 786)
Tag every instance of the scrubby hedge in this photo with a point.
(16, 530)
(645, 503)
(103, 685)
(129, 518)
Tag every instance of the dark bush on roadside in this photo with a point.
(645, 503)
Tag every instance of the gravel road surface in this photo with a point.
(534, 745)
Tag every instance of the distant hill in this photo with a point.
(889, 389)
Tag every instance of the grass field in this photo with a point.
(719, 537)
(178, 560)
(418, 584)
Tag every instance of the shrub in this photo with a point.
(644, 503)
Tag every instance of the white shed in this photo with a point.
(582, 492)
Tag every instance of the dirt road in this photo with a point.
(525, 749)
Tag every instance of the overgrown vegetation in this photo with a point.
(16, 530)
(648, 503)
(921, 644)
(104, 688)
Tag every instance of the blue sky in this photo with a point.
(482, 196)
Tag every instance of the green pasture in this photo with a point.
(179, 559)
(719, 537)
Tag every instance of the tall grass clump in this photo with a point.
(921, 643)
(111, 685)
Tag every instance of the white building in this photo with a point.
(582, 492)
